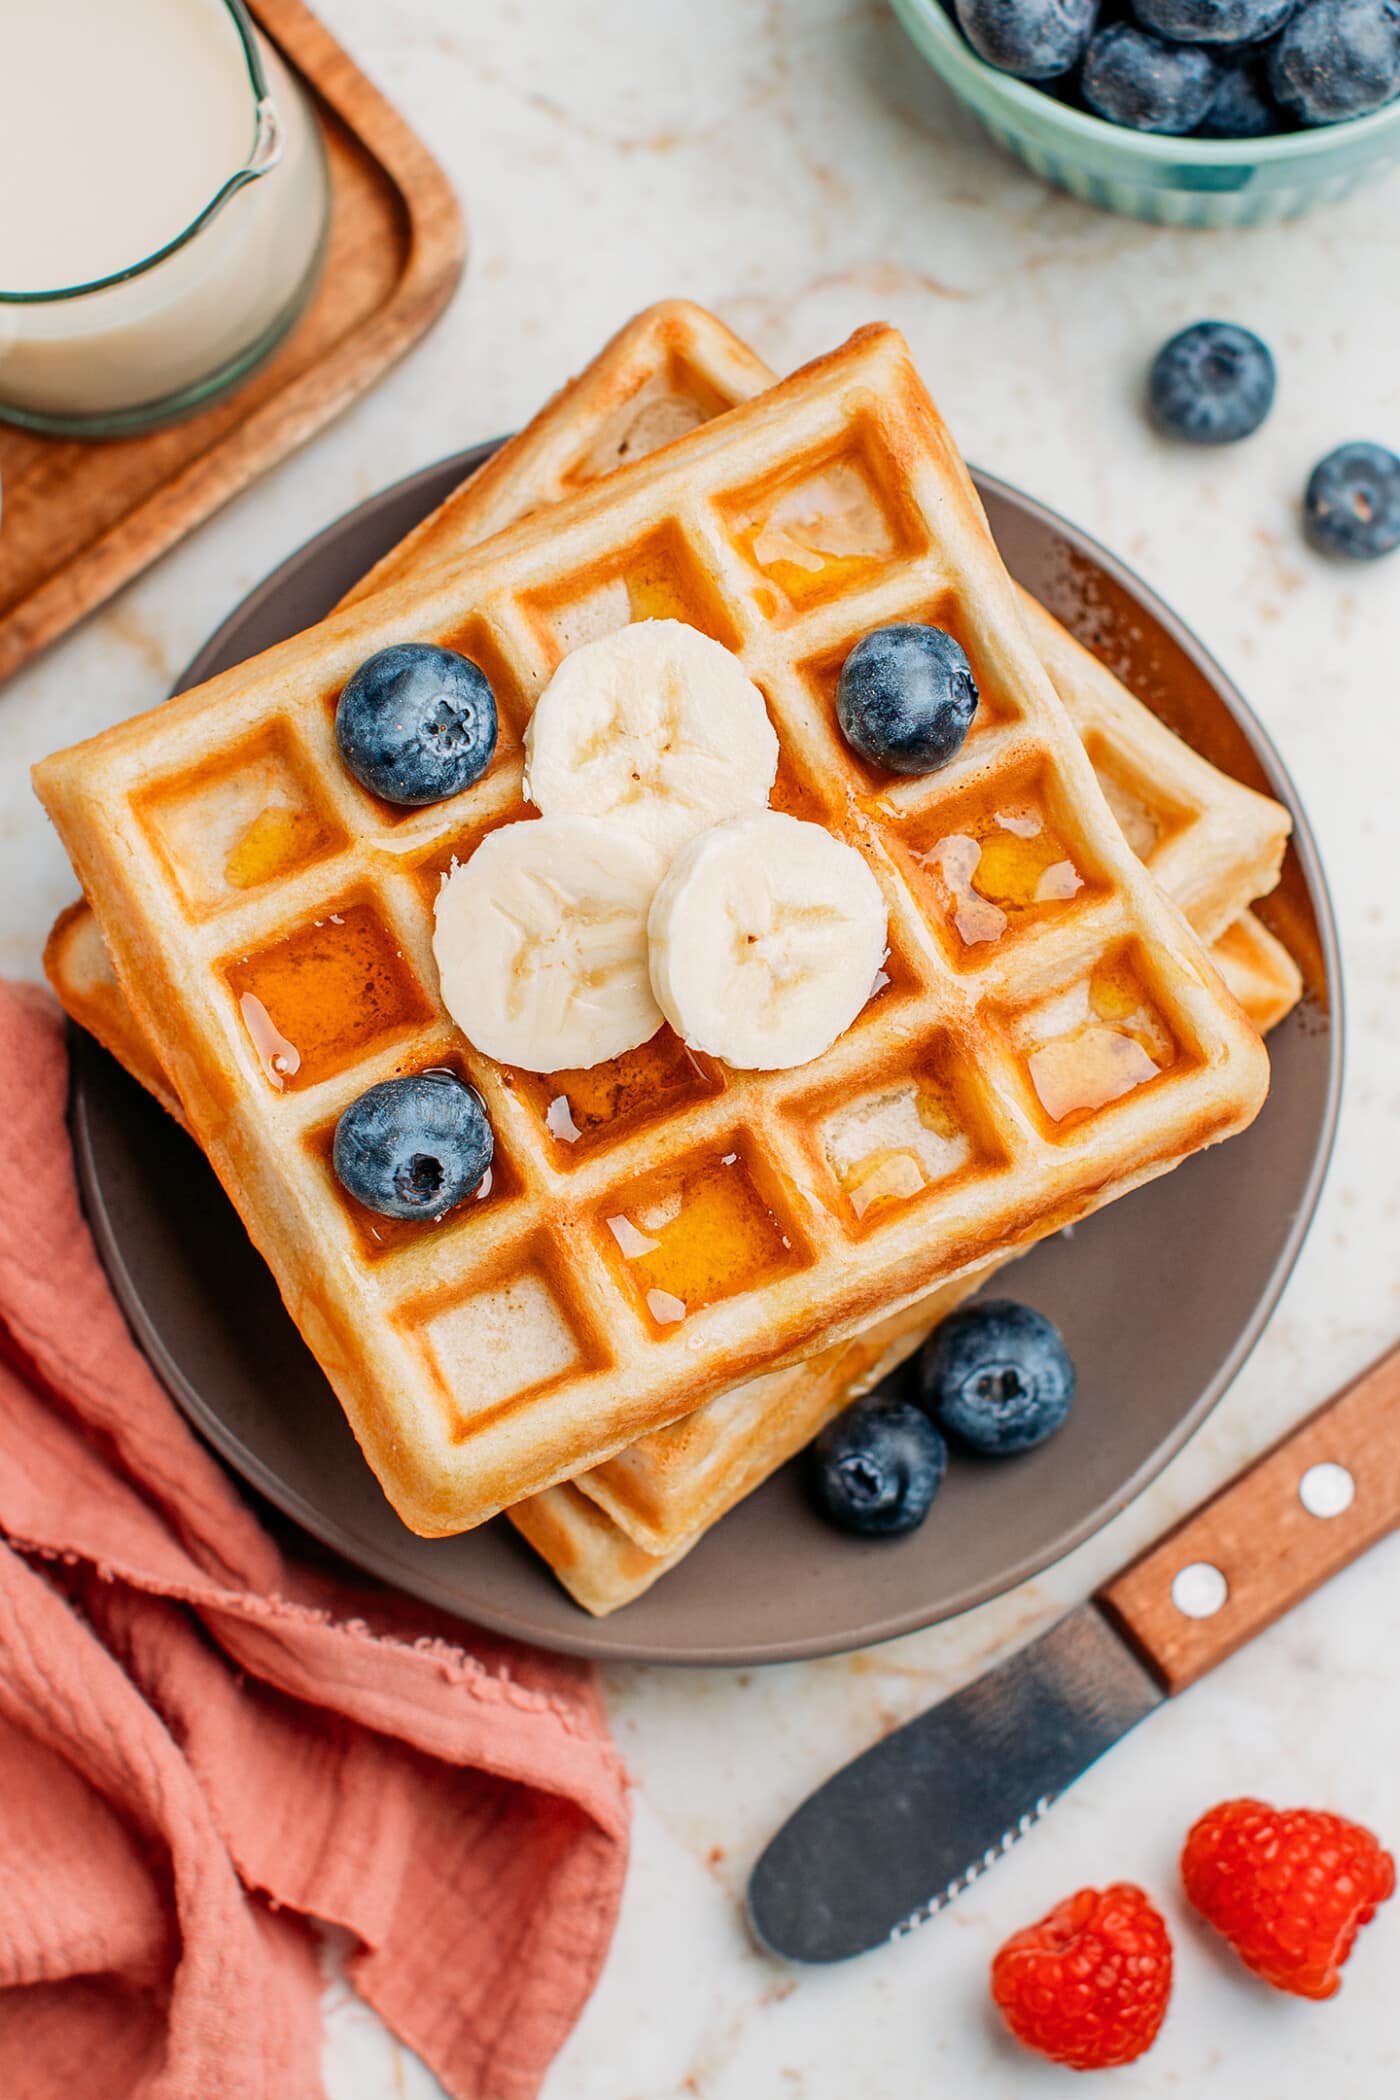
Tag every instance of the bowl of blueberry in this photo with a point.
(1187, 112)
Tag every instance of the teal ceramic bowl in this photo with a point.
(1175, 182)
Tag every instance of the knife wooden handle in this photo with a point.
(1277, 1531)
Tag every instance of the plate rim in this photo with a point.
(292, 1504)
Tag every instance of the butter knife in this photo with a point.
(903, 1829)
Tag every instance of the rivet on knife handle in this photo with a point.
(1270, 1537)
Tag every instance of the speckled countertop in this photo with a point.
(790, 163)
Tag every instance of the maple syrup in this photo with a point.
(820, 537)
(1121, 1043)
(319, 999)
(240, 820)
(657, 579)
(584, 1110)
(696, 1234)
(889, 1149)
(278, 840)
(1008, 865)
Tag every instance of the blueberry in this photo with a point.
(1213, 21)
(1135, 79)
(906, 698)
(416, 723)
(1337, 59)
(997, 1377)
(878, 1466)
(414, 1147)
(1242, 106)
(1211, 384)
(1034, 39)
(1352, 503)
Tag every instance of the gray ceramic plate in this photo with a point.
(1161, 1300)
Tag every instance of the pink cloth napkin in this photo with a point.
(204, 1745)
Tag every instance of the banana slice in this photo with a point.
(541, 944)
(658, 729)
(766, 937)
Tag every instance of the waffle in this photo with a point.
(80, 970)
(737, 1441)
(668, 370)
(675, 1482)
(672, 1485)
(1214, 844)
(286, 966)
(1259, 971)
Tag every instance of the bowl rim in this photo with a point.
(928, 23)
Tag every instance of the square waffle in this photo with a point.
(1084, 1049)
(1214, 844)
(673, 1483)
(668, 370)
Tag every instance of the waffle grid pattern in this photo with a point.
(502, 1350)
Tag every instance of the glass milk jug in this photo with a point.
(164, 202)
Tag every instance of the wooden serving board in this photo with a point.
(83, 516)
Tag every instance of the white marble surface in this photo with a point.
(790, 163)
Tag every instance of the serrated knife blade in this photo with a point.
(901, 1830)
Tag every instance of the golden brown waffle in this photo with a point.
(741, 1438)
(1214, 844)
(511, 1346)
(674, 1484)
(1259, 971)
(80, 970)
(677, 1480)
(668, 370)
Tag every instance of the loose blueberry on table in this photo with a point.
(878, 1466)
(1351, 506)
(1216, 69)
(997, 1377)
(416, 723)
(415, 1147)
(1211, 384)
(906, 698)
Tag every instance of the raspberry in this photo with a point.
(1289, 1888)
(1088, 1986)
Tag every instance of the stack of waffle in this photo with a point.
(255, 946)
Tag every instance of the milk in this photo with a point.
(120, 122)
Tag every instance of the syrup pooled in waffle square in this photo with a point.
(1017, 1079)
